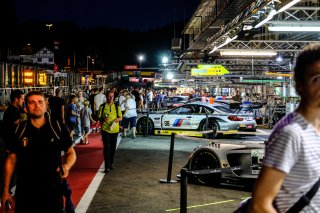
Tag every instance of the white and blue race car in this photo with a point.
(194, 117)
(235, 163)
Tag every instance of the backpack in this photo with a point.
(56, 130)
(101, 109)
(54, 124)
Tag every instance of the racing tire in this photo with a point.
(212, 125)
(205, 159)
(141, 126)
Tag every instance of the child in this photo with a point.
(85, 121)
(72, 114)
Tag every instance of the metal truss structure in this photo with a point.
(225, 25)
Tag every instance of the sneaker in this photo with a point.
(106, 171)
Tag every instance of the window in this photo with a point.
(50, 59)
(208, 110)
(223, 109)
(186, 109)
(39, 59)
(44, 51)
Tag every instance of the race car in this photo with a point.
(194, 117)
(175, 101)
(236, 163)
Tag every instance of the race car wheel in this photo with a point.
(142, 126)
(212, 125)
(205, 159)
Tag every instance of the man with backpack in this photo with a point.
(110, 115)
(35, 151)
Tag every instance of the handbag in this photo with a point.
(297, 207)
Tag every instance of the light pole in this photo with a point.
(140, 60)
(86, 76)
(49, 26)
(88, 57)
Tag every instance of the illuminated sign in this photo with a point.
(262, 80)
(209, 70)
(130, 67)
(133, 79)
(28, 81)
(279, 74)
(83, 80)
(42, 79)
(28, 77)
(28, 74)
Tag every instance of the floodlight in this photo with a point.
(249, 52)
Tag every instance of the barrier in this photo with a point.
(168, 180)
(185, 172)
(184, 181)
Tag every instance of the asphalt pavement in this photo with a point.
(134, 185)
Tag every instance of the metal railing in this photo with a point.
(67, 90)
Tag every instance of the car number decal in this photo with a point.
(167, 123)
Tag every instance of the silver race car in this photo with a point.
(235, 163)
(195, 117)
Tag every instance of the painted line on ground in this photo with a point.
(259, 130)
(243, 198)
(202, 205)
(86, 199)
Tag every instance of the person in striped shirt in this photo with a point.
(291, 165)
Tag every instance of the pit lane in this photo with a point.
(140, 163)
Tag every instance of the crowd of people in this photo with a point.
(37, 128)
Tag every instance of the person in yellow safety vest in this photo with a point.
(110, 117)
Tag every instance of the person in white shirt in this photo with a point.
(130, 116)
(122, 101)
(149, 98)
(99, 99)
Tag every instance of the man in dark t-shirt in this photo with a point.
(91, 100)
(13, 114)
(36, 154)
(11, 118)
(136, 95)
(57, 105)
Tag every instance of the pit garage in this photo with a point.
(239, 52)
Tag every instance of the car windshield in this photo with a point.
(223, 109)
(176, 99)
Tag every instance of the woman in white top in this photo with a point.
(130, 116)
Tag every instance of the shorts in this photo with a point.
(71, 125)
(86, 130)
(132, 121)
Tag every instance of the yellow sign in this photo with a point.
(279, 74)
(83, 80)
(179, 132)
(209, 70)
(42, 79)
(28, 77)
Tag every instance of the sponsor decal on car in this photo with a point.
(178, 122)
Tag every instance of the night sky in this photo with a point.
(126, 14)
